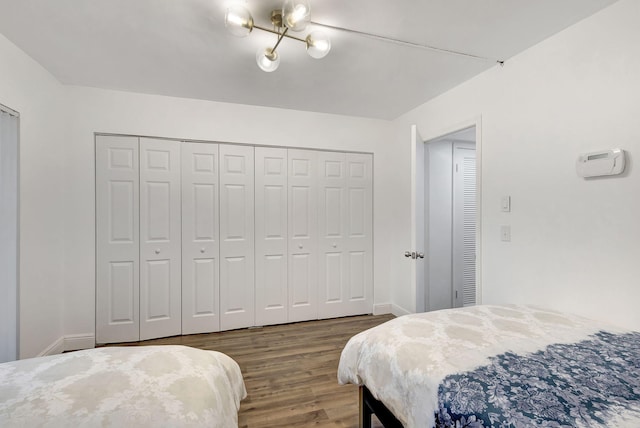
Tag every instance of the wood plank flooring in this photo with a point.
(290, 371)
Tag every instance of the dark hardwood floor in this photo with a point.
(289, 370)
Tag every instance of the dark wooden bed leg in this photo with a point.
(365, 411)
(370, 406)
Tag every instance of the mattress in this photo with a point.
(164, 386)
(488, 366)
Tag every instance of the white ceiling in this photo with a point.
(181, 48)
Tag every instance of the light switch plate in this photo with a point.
(506, 204)
(505, 233)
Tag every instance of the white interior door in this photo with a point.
(303, 235)
(345, 234)
(200, 238)
(333, 274)
(464, 224)
(418, 264)
(160, 239)
(359, 229)
(9, 149)
(237, 293)
(117, 239)
(271, 235)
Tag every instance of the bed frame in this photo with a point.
(370, 406)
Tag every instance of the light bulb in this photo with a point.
(318, 44)
(238, 21)
(296, 14)
(267, 60)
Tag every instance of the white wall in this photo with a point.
(95, 110)
(39, 98)
(575, 243)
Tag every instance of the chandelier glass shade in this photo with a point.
(294, 16)
(267, 60)
(238, 21)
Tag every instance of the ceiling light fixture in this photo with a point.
(294, 15)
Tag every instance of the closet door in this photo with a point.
(464, 224)
(160, 238)
(237, 306)
(200, 242)
(117, 239)
(332, 222)
(359, 229)
(303, 239)
(345, 210)
(271, 235)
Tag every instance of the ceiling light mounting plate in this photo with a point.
(276, 18)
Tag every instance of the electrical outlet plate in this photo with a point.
(505, 233)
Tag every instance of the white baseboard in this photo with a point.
(72, 342)
(382, 308)
(56, 347)
(75, 342)
(399, 311)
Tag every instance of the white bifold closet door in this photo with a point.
(271, 234)
(237, 305)
(117, 239)
(160, 239)
(200, 238)
(303, 235)
(345, 234)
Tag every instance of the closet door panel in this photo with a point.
(200, 238)
(160, 238)
(271, 235)
(303, 238)
(359, 231)
(332, 211)
(117, 239)
(237, 293)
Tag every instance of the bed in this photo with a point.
(487, 366)
(164, 386)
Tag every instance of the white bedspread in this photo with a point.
(160, 386)
(403, 361)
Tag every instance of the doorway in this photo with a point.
(8, 234)
(447, 218)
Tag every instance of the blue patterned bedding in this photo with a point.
(499, 366)
(565, 385)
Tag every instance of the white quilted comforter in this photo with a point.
(404, 361)
(160, 386)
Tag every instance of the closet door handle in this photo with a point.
(157, 251)
(300, 246)
(202, 250)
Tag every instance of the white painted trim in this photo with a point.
(399, 311)
(75, 342)
(382, 308)
(57, 347)
(6, 109)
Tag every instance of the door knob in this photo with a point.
(407, 253)
(202, 250)
(157, 250)
(420, 255)
(334, 245)
(300, 246)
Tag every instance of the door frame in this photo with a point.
(434, 135)
(12, 312)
